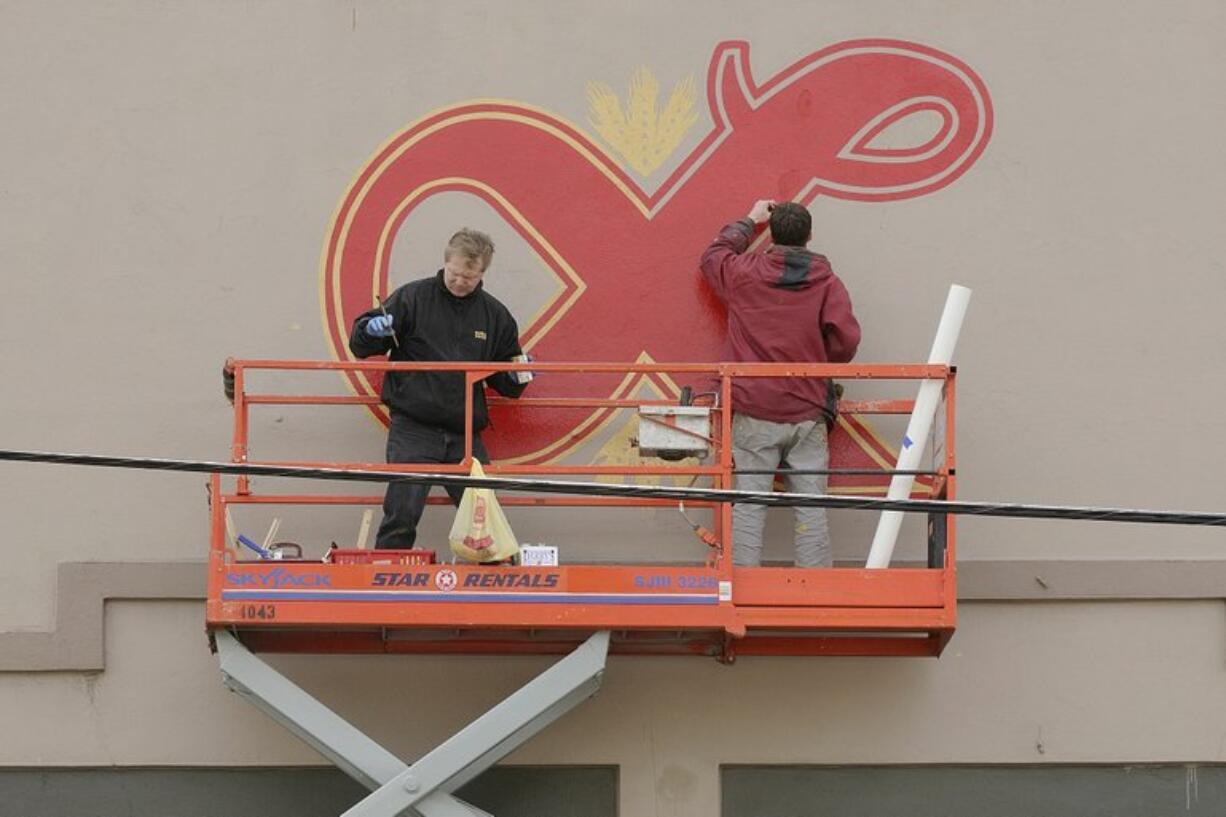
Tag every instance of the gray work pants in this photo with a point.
(760, 444)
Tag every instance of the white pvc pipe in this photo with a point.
(912, 450)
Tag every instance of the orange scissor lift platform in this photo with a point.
(708, 607)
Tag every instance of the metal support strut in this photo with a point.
(424, 788)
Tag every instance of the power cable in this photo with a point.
(993, 509)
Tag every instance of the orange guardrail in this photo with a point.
(705, 606)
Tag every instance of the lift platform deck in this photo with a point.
(409, 604)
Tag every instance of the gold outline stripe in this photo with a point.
(579, 284)
(499, 116)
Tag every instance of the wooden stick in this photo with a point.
(364, 530)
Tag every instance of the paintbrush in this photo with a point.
(383, 309)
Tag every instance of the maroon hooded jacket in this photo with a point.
(784, 305)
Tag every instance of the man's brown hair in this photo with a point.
(791, 224)
(473, 245)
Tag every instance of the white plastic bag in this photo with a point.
(480, 532)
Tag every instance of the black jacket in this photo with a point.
(433, 324)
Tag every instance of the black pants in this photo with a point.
(411, 441)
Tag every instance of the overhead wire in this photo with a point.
(773, 499)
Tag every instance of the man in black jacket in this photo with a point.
(447, 317)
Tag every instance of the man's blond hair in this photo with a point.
(473, 245)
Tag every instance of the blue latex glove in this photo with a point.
(380, 326)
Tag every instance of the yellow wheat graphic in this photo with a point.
(640, 133)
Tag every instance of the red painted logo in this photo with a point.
(626, 260)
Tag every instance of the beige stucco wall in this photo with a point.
(1112, 682)
(168, 175)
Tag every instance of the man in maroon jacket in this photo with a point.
(785, 304)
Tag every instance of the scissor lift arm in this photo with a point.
(425, 787)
